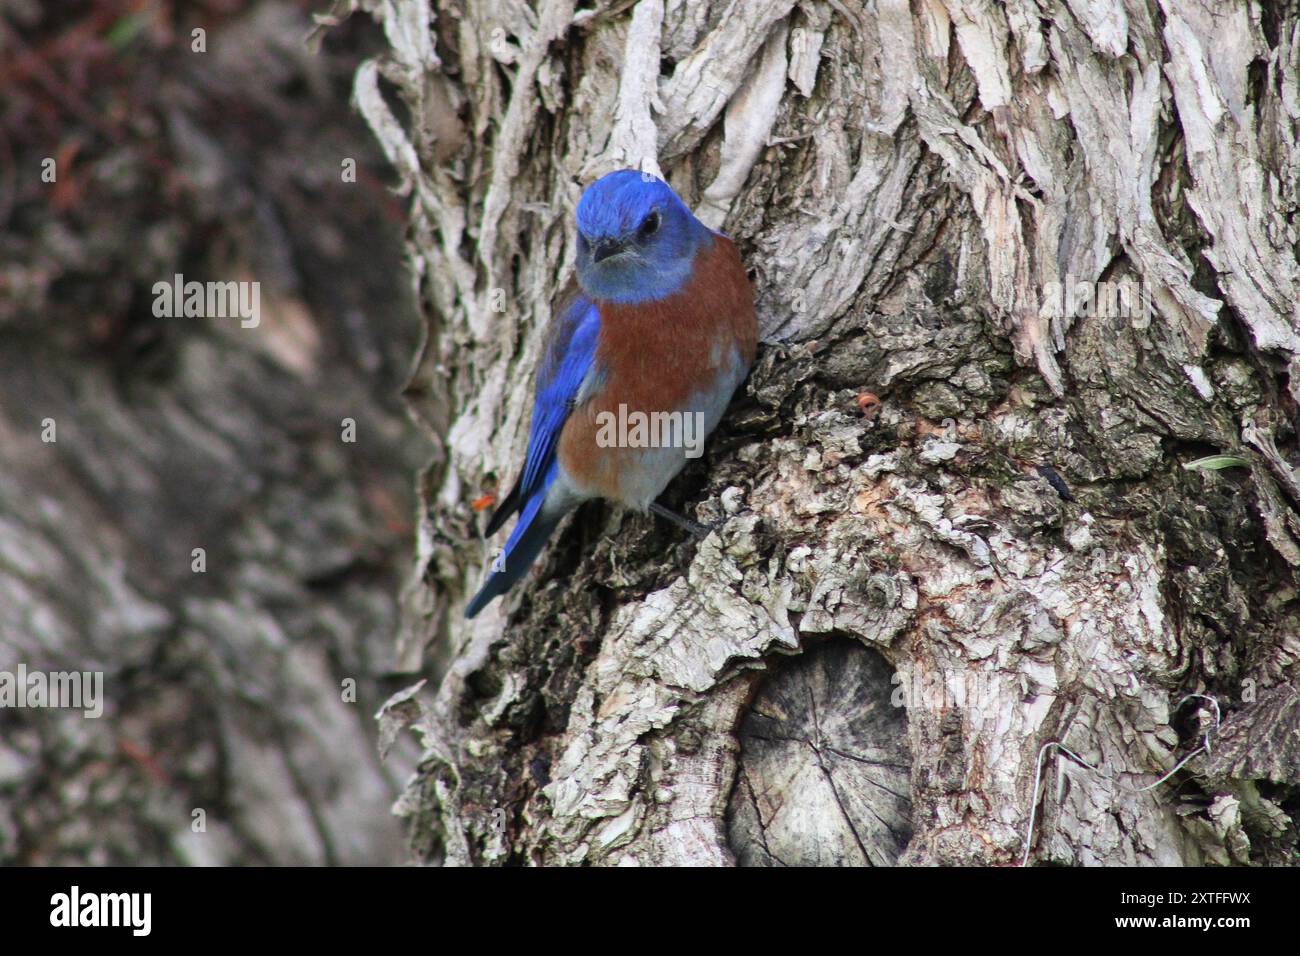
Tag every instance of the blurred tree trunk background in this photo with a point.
(958, 522)
(230, 732)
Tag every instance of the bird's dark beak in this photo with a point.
(606, 248)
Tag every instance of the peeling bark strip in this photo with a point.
(905, 179)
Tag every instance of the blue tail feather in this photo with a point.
(535, 526)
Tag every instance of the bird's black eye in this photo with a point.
(649, 225)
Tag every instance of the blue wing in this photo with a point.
(567, 363)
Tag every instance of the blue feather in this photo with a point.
(637, 243)
(566, 365)
(535, 525)
(637, 240)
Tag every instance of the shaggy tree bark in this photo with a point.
(957, 522)
(239, 681)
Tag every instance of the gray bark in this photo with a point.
(961, 508)
(228, 735)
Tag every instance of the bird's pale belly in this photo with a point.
(628, 453)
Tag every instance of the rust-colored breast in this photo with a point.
(660, 357)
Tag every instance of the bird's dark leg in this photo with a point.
(694, 527)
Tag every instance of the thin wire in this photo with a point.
(1042, 753)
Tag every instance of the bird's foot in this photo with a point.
(694, 527)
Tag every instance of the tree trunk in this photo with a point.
(958, 521)
(180, 511)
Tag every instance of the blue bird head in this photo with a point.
(636, 239)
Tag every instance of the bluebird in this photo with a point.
(657, 326)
